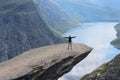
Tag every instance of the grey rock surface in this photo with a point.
(116, 42)
(22, 28)
(45, 63)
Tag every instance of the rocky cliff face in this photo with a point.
(55, 16)
(21, 28)
(45, 63)
(116, 42)
(108, 71)
(65, 14)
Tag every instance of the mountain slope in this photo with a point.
(62, 15)
(116, 42)
(45, 63)
(22, 28)
(108, 71)
(54, 15)
(88, 12)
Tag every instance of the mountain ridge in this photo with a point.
(88, 12)
(22, 28)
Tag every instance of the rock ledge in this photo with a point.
(45, 63)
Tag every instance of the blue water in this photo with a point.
(97, 35)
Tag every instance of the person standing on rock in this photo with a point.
(70, 41)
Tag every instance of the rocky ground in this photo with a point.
(45, 63)
(22, 28)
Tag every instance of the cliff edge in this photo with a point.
(45, 63)
(22, 28)
(116, 42)
(107, 71)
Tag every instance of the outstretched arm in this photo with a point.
(73, 37)
(66, 37)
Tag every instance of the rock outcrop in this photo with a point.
(108, 71)
(22, 28)
(116, 42)
(45, 63)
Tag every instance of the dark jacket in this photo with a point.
(69, 38)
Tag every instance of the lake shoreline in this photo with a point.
(97, 35)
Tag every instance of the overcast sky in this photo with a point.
(109, 3)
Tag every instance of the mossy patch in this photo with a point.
(37, 67)
(101, 71)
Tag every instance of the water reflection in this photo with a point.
(97, 35)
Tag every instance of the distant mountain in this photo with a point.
(110, 3)
(62, 15)
(88, 12)
(108, 71)
(53, 14)
(116, 42)
(22, 28)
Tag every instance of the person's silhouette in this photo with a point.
(70, 41)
